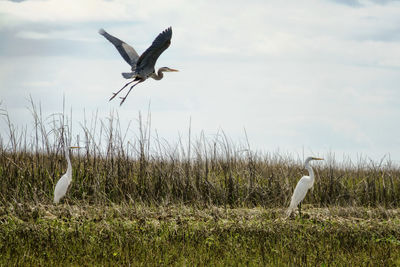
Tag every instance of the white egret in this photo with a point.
(305, 183)
(62, 185)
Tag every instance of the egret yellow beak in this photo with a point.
(317, 158)
(74, 147)
(173, 70)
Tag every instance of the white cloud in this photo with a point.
(313, 74)
(73, 35)
(63, 10)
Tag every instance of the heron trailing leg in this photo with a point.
(130, 89)
(115, 94)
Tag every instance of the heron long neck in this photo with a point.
(69, 168)
(310, 171)
(159, 74)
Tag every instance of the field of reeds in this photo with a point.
(137, 199)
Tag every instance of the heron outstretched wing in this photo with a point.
(149, 57)
(126, 51)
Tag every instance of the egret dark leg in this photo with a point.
(123, 98)
(115, 94)
(300, 209)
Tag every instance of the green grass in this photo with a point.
(202, 201)
(182, 235)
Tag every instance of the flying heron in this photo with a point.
(142, 67)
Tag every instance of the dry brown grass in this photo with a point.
(113, 168)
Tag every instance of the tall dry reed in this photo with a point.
(113, 167)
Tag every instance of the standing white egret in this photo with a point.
(305, 183)
(62, 185)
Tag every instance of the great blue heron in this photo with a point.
(62, 185)
(143, 66)
(305, 183)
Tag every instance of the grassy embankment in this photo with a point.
(188, 235)
(207, 201)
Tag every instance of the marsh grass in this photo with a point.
(186, 235)
(136, 199)
(135, 165)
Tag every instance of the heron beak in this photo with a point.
(74, 147)
(173, 70)
(317, 158)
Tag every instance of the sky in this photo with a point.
(299, 77)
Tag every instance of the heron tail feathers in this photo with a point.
(128, 75)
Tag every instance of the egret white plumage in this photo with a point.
(305, 183)
(62, 185)
(142, 67)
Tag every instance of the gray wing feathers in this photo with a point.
(127, 52)
(160, 44)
